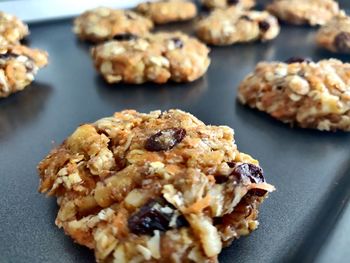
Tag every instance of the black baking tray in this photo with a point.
(303, 221)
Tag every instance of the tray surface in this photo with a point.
(310, 169)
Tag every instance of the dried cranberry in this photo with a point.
(264, 26)
(298, 60)
(253, 172)
(153, 216)
(165, 139)
(125, 37)
(177, 42)
(342, 42)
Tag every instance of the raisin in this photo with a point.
(152, 216)
(232, 2)
(253, 172)
(177, 42)
(231, 164)
(8, 55)
(165, 139)
(342, 42)
(264, 26)
(245, 17)
(221, 179)
(125, 37)
(298, 60)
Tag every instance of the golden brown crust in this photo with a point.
(104, 23)
(162, 12)
(18, 66)
(12, 29)
(153, 187)
(309, 94)
(212, 4)
(155, 58)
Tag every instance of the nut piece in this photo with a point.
(302, 92)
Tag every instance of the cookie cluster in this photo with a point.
(18, 63)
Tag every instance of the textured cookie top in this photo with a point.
(312, 95)
(162, 12)
(153, 187)
(233, 25)
(156, 57)
(104, 23)
(335, 35)
(12, 30)
(313, 12)
(18, 65)
(211, 4)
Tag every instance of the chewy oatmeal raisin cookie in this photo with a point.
(309, 94)
(12, 30)
(104, 23)
(153, 58)
(157, 187)
(233, 25)
(166, 11)
(211, 4)
(18, 66)
(335, 35)
(300, 12)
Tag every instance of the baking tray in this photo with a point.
(303, 221)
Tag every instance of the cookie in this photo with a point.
(12, 29)
(104, 23)
(335, 35)
(18, 66)
(301, 12)
(153, 187)
(212, 4)
(154, 58)
(162, 12)
(302, 92)
(234, 25)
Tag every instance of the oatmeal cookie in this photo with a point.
(335, 35)
(302, 92)
(18, 65)
(153, 187)
(233, 25)
(166, 11)
(212, 4)
(104, 23)
(12, 29)
(154, 58)
(300, 12)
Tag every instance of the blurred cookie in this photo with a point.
(12, 30)
(18, 66)
(301, 92)
(162, 12)
(157, 187)
(335, 35)
(300, 12)
(155, 58)
(212, 4)
(234, 25)
(104, 23)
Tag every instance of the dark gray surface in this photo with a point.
(310, 169)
